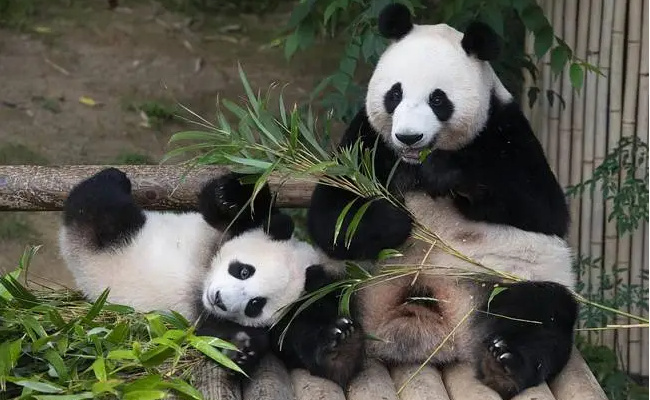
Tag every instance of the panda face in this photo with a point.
(427, 92)
(253, 277)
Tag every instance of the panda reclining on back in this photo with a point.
(485, 188)
(233, 281)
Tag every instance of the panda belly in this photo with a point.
(158, 269)
(415, 314)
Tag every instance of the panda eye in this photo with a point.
(435, 100)
(254, 307)
(393, 97)
(240, 270)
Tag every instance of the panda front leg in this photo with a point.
(252, 343)
(102, 210)
(529, 338)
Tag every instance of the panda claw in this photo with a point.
(505, 357)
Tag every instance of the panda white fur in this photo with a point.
(234, 281)
(485, 188)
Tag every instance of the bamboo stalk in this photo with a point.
(590, 93)
(600, 141)
(638, 244)
(543, 85)
(554, 112)
(644, 336)
(628, 125)
(567, 93)
(610, 256)
(577, 126)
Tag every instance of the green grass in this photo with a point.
(17, 154)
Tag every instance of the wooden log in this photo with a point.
(462, 384)
(309, 387)
(270, 381)
(539, 392)
(215, 383)
(426, 385)
(372, 383)
(40, 188)
(576, 382)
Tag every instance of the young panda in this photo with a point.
(485, 188)
(234, 281)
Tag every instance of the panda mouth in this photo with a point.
(411, 155)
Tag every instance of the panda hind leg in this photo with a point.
(102, 209)
(530, 336)
(224, 203)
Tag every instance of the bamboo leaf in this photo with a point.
(341, 218)
(344, 303)
(145, 395)
(388, 253)
(354, 224)
(252, 99)
(494, 293)
(184, 388)
(356, 271)
(99, 368)
(40, 386)
(207, 348)
(97, 306)
(262, 165)
(78, 396)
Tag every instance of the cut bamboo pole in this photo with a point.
(555, 84)
(600, 141)
(636, 257)
(590, 93)
(628, 119)
(577, 127)
(544, 85)
(566, 91)
(644, 336)
(610, 256)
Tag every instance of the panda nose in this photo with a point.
(409, 138)
(216, 300)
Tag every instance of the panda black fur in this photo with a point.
(485, 188)
(234, 281)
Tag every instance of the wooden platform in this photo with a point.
(376, 382)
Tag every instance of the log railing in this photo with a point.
(41, 188)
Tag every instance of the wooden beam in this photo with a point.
(44, 188)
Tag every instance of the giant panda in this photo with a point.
(484, 187)
(233, 267)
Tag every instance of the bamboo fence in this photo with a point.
(612, 35)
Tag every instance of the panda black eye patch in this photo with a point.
(254, 307)
(240, 270)
(441, 105)
(393, 97)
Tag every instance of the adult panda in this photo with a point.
(233, 281)
(485, 188)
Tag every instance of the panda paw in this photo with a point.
(501, 367)
(339, 331)
(247, 355)
(222, 199)
(111, 177)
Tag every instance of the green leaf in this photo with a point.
(206, 348)
(356, 271)
(97, 306)
(341, 218)
(145, 395)
(388, 253)
(533, 92)
(577, 76)
(40, 386)
(118, 334)
(184, 388)
(543, 41)
(368, 45)
(344, 303)
(559, 57)
(532, 16)
(99, 368)
(176, 320)
(106, 386)
(331, 8)
(57, 363)
(121, 354)
(493, 16)
(262, 165)
(155, 325)
(495, 292)
(291, 45)
(354, 224)
(252, 99)
(220, 343)
(300, 12)
(78, 396)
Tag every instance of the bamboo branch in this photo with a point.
(174, 187)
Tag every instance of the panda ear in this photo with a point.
(279, 226)
(481, 41)
(395, 21)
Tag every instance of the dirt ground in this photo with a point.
(139, 56)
